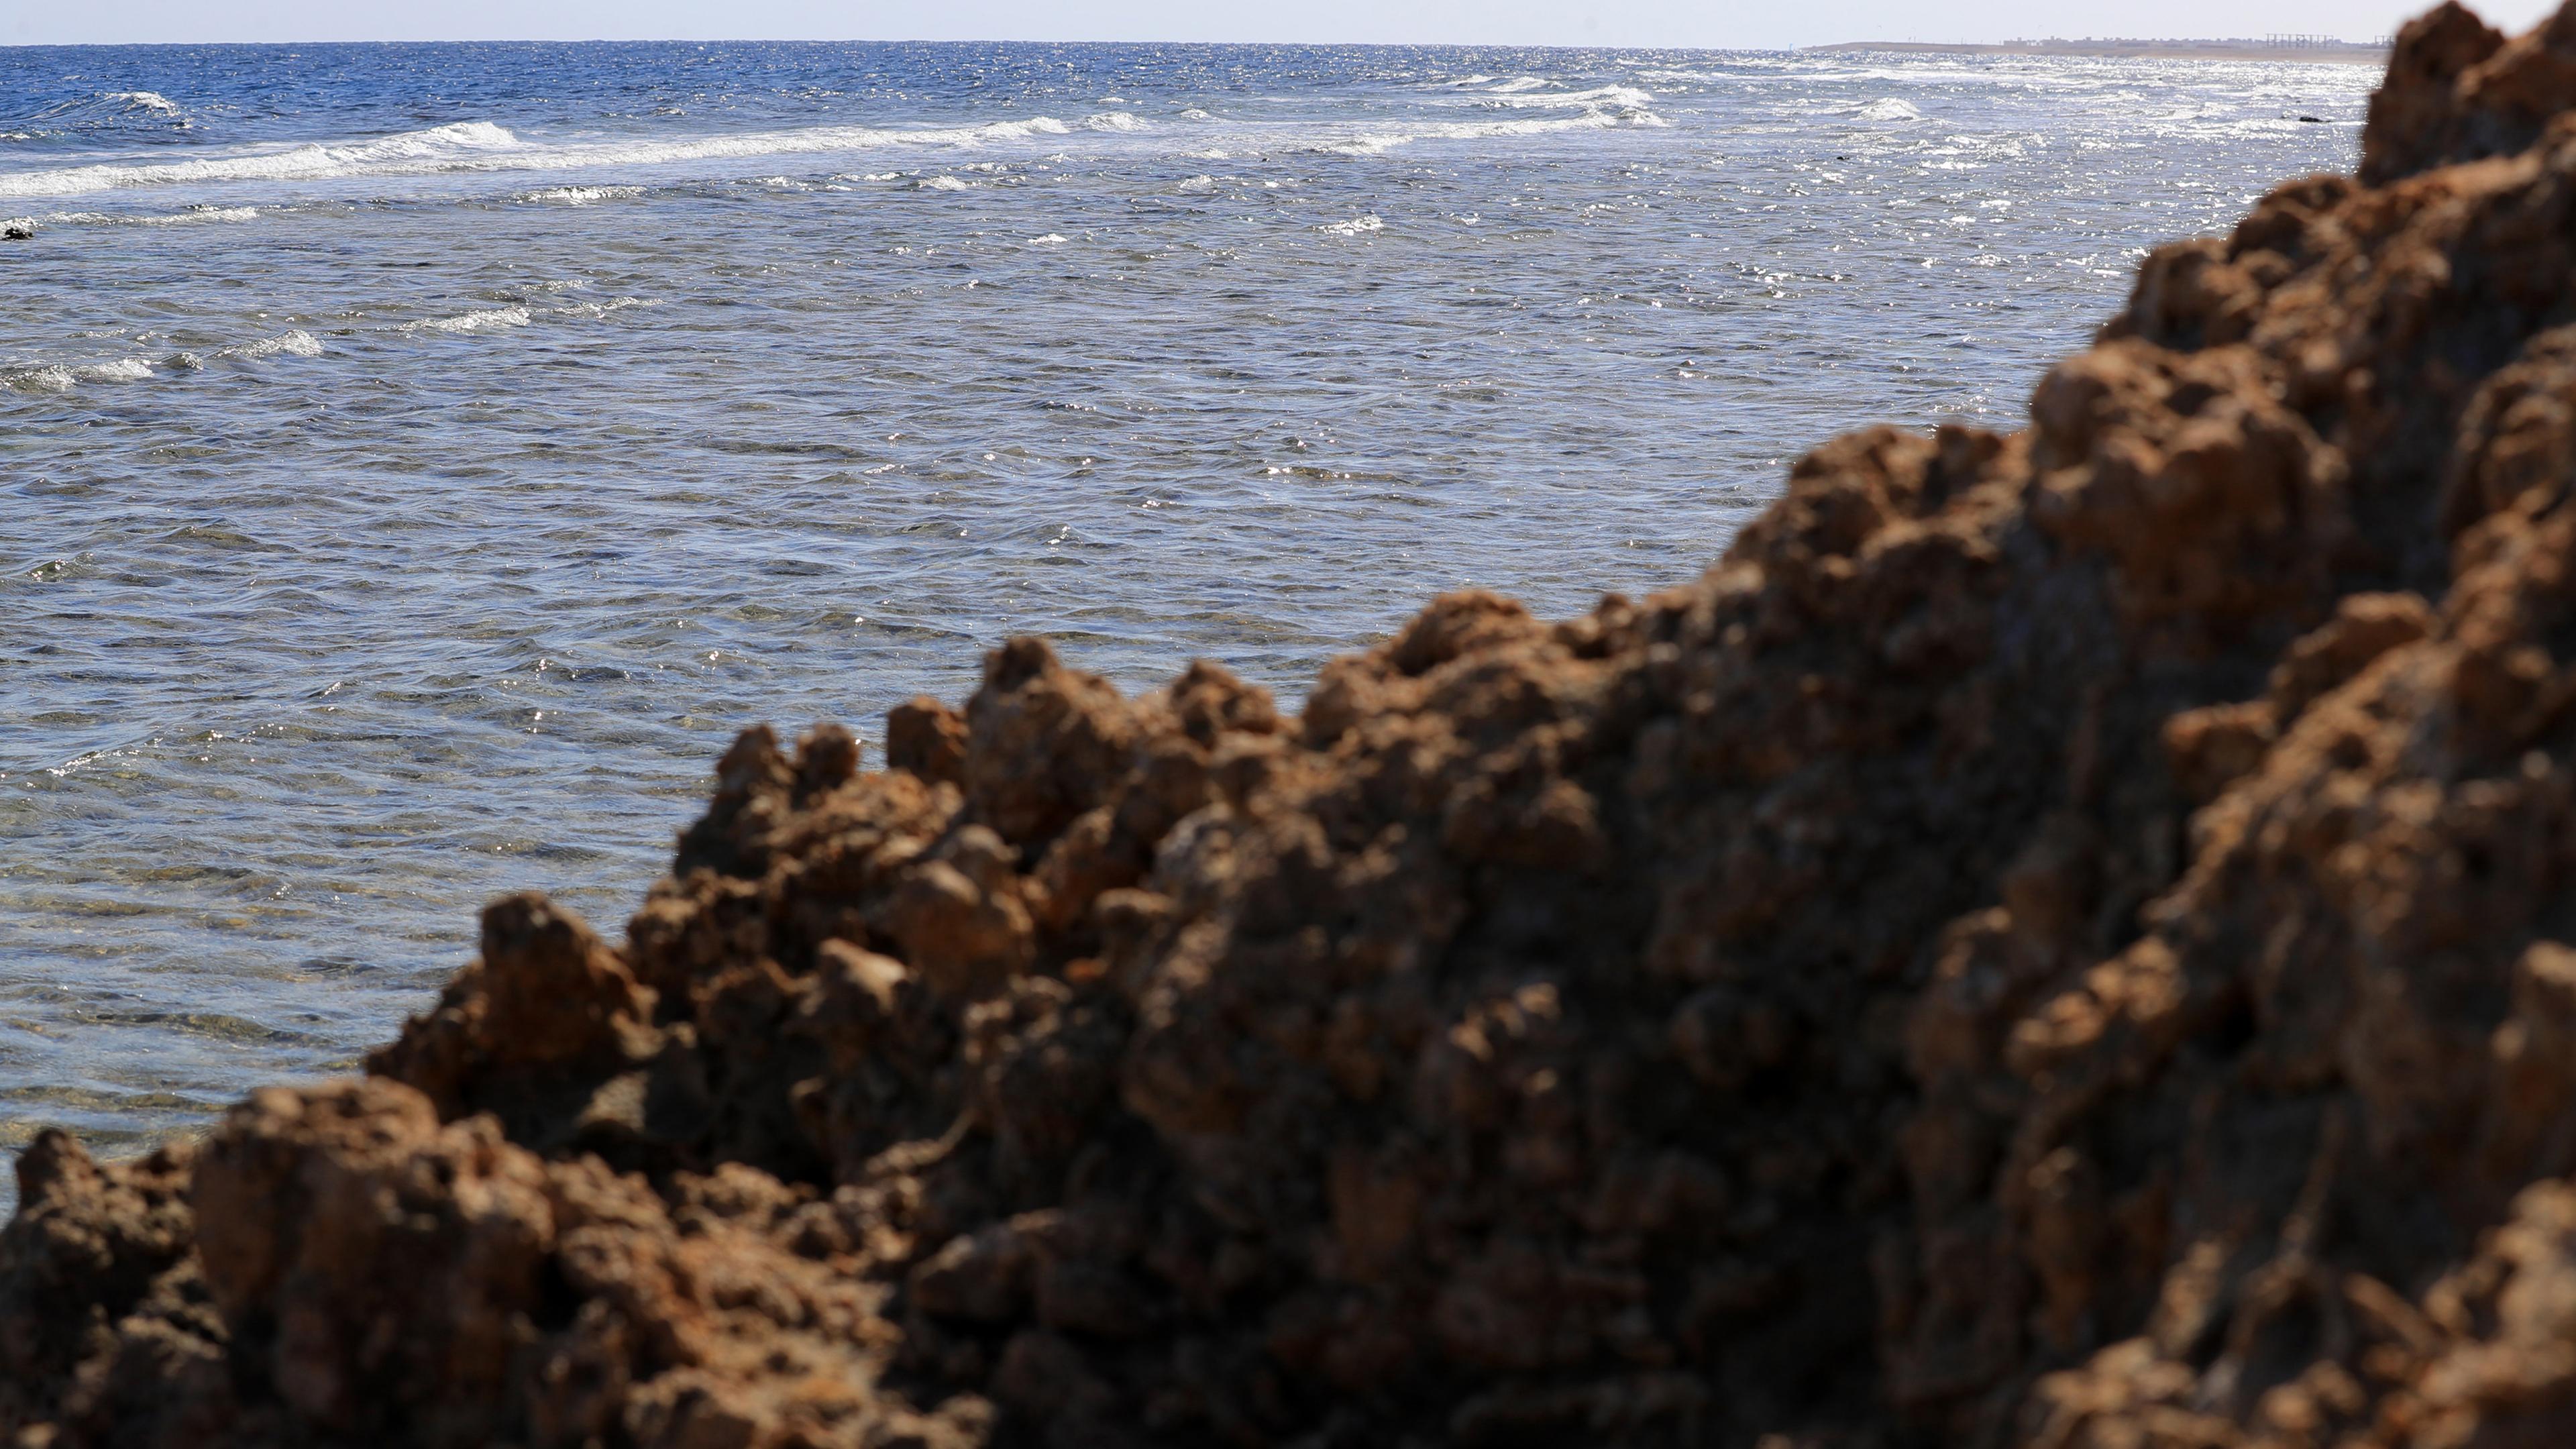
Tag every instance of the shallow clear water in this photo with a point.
(417, 462)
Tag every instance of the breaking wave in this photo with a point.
(580, 195)
(1370, 143)
(63, 377)
(490, 319)
(482, 146)
(294, 343)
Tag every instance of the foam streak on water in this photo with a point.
(419, 461)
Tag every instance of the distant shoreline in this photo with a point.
(2132, 50)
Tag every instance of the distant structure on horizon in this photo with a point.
(2322, 42)
(2285, 47)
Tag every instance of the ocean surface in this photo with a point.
(416, 462)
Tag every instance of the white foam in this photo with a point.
(1356, 226)
(201, 213)
(483, 146)
(189, 217)
(1196, 184)
(38, 379)
(1112, 121)
(944, 183)
(63, 377)
(293, 343)
(149, 100)
(1608, 97)
(1519, 84)
(602, 309)
(1371, 143)
(581, 195)
(428, 149)
(783, 143)
(1888, 108)
(1051, 239)
(491, 319)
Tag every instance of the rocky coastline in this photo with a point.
(2062, 940)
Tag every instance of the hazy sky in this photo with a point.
(1716, 23)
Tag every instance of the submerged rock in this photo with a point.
(2057, 939)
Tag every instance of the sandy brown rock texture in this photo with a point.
(2064, 940)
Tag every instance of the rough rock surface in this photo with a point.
(2063, 940)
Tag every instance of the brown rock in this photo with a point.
(927, 738)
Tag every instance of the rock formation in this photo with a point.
(2064, 939)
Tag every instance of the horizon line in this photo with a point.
(2256, 42)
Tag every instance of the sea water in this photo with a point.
(417, 462)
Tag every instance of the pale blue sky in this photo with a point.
(1715, 23)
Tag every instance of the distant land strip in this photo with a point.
(2287, 49)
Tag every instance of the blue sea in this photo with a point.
(416, 462)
